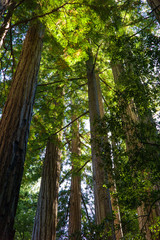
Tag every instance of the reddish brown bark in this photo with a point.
(128, 114)
(103, 208)
(75, 197)
(14, 128)
(147, 215)
(46, 216)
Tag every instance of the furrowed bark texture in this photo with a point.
(155, 6)
(103, 208)
(75, 197)
(128, 115)
(14, 128)
(146, 214)
(144, 222)
(46, 216)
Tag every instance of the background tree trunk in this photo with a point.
(75, 197)
(130, 118)
(155, 6)
(143, 221)
(103, 208)
(14, 128)
(46, 216)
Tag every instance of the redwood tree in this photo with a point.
(75, 197)
(134, 147)
(46, 215)
(103, 208)
(155, 6)
(10, 5)
(14, 127)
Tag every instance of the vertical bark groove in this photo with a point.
(155, 6)
(129, 118)
(75, 197)
(103, 209)
(46, 216)
(14, 128)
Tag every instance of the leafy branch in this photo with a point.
(39, 16)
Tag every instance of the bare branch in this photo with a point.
(71, 122)
(141, 30)
(69, 79)
(107, 85)
(73, 171)
(83, 166)
(85, 208)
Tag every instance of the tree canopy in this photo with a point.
(122, 35)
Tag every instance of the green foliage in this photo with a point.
(155, 228)
(63, 211)
(118, 32)
(26, 211)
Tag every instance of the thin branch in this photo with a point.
(46, 84)
(105, 101)
(143, 18)
(41, 15)
(73, 79)
(83, 166)
(149, 213)
(153, 144)
(85, 208)
(154, 9)
(136, 21)
(140, 30)
(62, 81)
(129, 221)
(84, 144)
(94, 64)
(66, 175)
(76, 89)
(81, 136)
(107, 85)
(73, 171)
(71, 122)
(18, 4)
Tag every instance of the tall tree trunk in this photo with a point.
(103, 208)
(155, 6)
(75, 197)
(5, 25)
(129, 118)
(46, 216)
(14, 128)
(128, 115)
(144, 222)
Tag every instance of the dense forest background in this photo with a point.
(79, 119)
